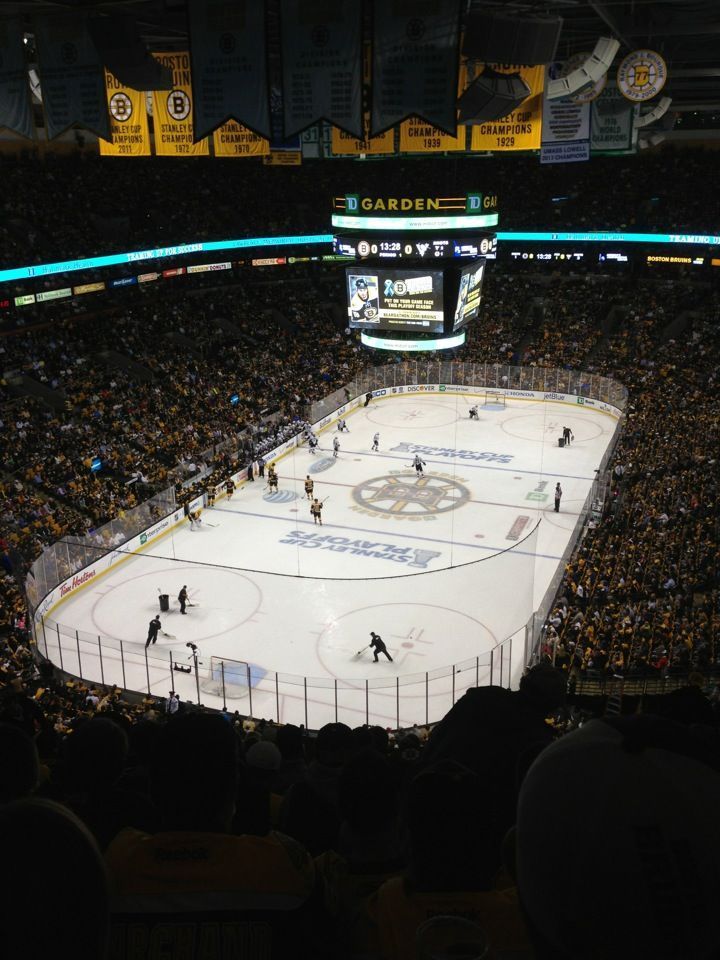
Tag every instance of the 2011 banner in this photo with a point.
(128, 121)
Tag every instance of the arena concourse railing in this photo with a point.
(255, 691)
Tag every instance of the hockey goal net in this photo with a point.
(230, 678)
(495, 398)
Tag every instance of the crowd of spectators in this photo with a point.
(353, 841)
(174, 198)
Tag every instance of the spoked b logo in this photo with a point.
(178, 105)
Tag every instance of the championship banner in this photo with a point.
(611, 122)
(15, 104)
(128, 121)
(416, 136)
(521, 129)
(565, 126)
(322, 64)
(415, 63)
(234, 140)
(227, 41)
(72, 77)
(173, 112)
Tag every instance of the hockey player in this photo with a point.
(229, 488)
(210, 494)
(418, 464)
(342, 426)
(474, 413)
(309, 487)
(312, 443)
(272, 478)
(336, 446)
(316, 510)
(194, 519)
(375, 443)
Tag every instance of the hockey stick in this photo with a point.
(210, 524)
(170, 636)
(359, 653)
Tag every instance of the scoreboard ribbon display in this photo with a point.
(395, 299)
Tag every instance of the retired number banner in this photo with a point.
(234, 140)
(128, 121)
(521, 129)
(173, 112)
(344, 144)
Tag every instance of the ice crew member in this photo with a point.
(568, 436)
(309, 487)
(378, 645)
(153, 630)
(182, 598)
(316, 510)
(558, 496)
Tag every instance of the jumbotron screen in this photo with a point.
(393, 299)
(468, 301)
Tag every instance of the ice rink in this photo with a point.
(444, 567)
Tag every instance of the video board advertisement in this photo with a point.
(468, 301)
(395, 299)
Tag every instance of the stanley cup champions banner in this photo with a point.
(322, 64)
(415, 62)
(521, 129)
(128, 121)
(173, 111)
(15, 104)
(71, 76)
(227, 42)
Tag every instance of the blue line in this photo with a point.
(406, 536)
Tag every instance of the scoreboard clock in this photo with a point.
(433, 247)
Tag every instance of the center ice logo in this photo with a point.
(404, 497)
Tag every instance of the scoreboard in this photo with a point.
(414, 247)
(419, 265)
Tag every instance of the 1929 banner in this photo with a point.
(521, 129)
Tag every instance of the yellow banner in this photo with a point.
(128, 121)
(416, 136)
(522, 128)
(172, 112)
(232, 139)
(343, 144)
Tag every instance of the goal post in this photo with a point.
(495, 398)
(228, 678)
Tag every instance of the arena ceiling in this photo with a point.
(685, 32)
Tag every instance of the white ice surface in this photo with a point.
(395, 554)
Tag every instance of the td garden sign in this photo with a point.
(354, 203)
(469, 210)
